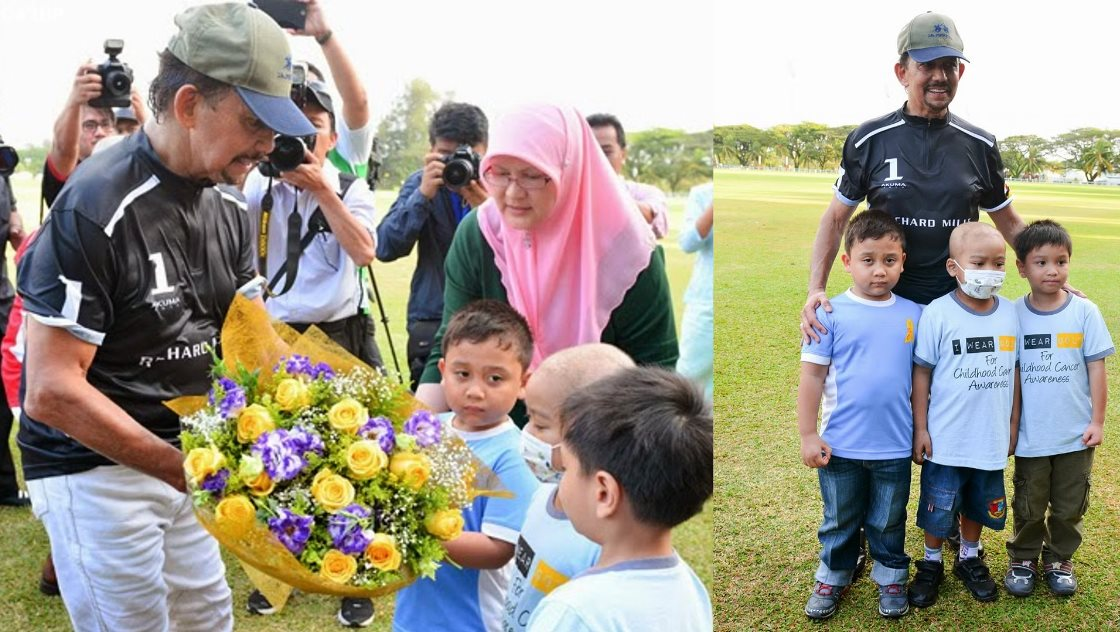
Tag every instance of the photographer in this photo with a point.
(650, 200)
(427, 211)
(355, 129)
(11, 231)
(76, 130)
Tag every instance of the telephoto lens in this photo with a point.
(9, 159)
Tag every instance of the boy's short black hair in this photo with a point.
(603, 120)
(488, 319)
(651, 429)
(463, 123)
(872, 224)
(1043, 232)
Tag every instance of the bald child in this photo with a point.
(549, 551)
(963, 392)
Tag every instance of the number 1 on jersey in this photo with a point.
(162, 286)
(893, 162)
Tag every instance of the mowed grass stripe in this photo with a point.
(767, 505)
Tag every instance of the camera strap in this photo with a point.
(316, 224)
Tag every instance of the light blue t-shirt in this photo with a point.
(660, 593)
(549, 553)
(700, 285)
(973, 360)
(470, 599)
(865, 412)
(1057, 347)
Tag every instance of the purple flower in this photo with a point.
(380, 428)
(295, 365)
(216, 482)
(292, 529)
(425, 427)
(233, 397)
(303, 441)
(345, 529)
(280, 454)
(323, 370)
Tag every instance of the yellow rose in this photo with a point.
(202, 462)
(338, 566)
(261, 485)
(347, 416)
(235, 514)
(253, 421)
(446, 524)
(332, 492)
(382, 552)
(291, 394)
(365, 459)
(411, 468)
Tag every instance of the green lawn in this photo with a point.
(767, 504)
(24, 544)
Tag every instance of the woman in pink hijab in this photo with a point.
(561, 242)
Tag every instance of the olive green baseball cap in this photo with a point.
(930, 36)
(238, 44)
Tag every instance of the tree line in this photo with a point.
(809, 145)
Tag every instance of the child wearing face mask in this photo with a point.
(549, 550)
(965, 411)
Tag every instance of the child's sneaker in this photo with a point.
(824, 601)
(923, 588)
(1059, 576)
(892, 601)
(1021, 577)
(977, 578)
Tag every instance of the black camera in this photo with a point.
(287, 154)
(461, 167)
(9, 159)
(116, 79)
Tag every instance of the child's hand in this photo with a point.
(1011, 444)
(814, 451)
(1093, 435)
(923, 447)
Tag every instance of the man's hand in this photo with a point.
(923, 447)
(474, 193)
(87, 85)
(137, 103)
(810, 326)
(309, 176)
(316, 23)
(1093, 435)
(432, 178)
(814, 451)
(16, 233)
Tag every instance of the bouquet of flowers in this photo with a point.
(318, 471)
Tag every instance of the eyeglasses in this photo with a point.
(503, 180)
(91, 126)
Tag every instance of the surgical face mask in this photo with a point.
(538, 456)
(981, 284)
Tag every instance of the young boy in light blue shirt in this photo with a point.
(862, 368)
(964, 387)
(1061, 367)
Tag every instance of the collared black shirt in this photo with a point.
(144, 264)
(931, 175)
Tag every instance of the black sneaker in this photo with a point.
(977, 578)
(355, 613)
(18, 499)
(258, 604)
(923, 588)
(824, 601)
(1021, 577)
(1060, 578)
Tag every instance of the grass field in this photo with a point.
(24, 543)
(767, 504)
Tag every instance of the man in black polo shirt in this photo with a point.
(929, 169)
(126, 287)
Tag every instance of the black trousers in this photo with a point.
(8, 485)
(421, 335)
(355, 334)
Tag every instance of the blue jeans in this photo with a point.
(871, 494)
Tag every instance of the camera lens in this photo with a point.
(9, 159)
(458, 173)
(118, 83)
(287, 154)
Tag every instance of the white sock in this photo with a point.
(933, 555)
(969, 549)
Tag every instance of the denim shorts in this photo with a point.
(947, 489)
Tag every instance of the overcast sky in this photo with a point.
(647, 62)
(1036, 67)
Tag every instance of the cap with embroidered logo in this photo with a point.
(930, 36)
(238, 44)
